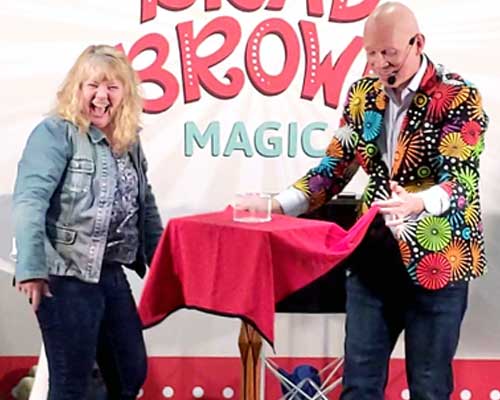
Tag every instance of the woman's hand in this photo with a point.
(34, 289)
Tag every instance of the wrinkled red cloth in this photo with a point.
(211, 263)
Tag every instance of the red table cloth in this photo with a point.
(211, 263)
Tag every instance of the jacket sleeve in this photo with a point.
(40, 171)
(336, 168)
(461, 142)
(153, 227)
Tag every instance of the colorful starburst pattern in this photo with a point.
(408, 154)
(335, 148)
(478, 148)
(439, 142)
(460, 97)
(406, 231)
(433, 233)
(472, 213)
(357, 100)
(369, 192)
(457, 253)
(366, 153)
(325, 167)
(405, 251)
(471, 132)
(476, 106)
(434, 271)
(381, 101)
(319, 182)
(452, 145)
(451, 126)
(347, 137)
(441, 99)
(469, 179)
(372, 126)
(478, 261)
(303, 185)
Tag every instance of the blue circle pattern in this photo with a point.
(372, 126)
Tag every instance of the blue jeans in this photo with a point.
(85, 322)
(380, 305)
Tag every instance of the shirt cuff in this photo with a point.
(293, 201)
(436, 200)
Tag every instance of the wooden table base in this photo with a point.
(250, 344)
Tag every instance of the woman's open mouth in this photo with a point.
(99, 109)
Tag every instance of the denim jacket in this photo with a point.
(63, 198)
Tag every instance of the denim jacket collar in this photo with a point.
(96, 134)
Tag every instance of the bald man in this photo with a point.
(417, 131)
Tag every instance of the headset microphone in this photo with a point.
(391, 80)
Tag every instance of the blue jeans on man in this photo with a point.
(380, 306)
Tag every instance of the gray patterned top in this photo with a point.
(123, 234)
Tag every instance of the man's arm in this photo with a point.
(329, 177)
(458, 162)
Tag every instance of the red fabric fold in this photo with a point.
(211, 263)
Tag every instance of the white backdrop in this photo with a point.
(40, 39)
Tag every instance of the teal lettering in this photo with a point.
(275, 142)
(306, 138)
(238, 140)
(192, 135)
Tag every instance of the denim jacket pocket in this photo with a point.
(61, 235)
(79, 175)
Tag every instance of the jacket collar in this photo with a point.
(421, 82)
(96, 135)
(414, 83)
(427, 81)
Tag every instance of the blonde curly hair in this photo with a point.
(109, 64)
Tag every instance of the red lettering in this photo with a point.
(196, 69)
(212, 5)
(263, 82)
(319, 72)
(323, 74)
(247, 5)
(148, 7)
(314, 7)
(155, 73)
(340, 12)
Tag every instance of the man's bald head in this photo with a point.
(387, 40)
(392, 18)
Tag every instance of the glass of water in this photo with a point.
(252, 207)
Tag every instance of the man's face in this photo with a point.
(390, 53)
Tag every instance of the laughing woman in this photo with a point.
(83, 210)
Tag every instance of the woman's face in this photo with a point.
(101, 99)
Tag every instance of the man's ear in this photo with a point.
(420, 42)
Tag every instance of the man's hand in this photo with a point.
(34, 290)
(276, 207)
(400, 206)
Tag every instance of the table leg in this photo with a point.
(250, 344)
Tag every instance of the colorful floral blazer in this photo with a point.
(440, 141)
